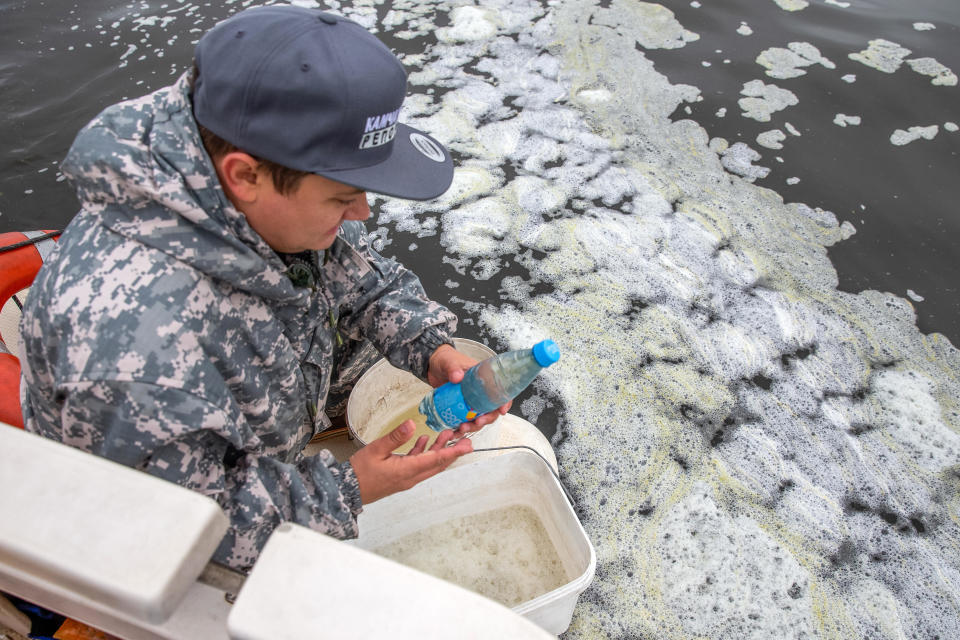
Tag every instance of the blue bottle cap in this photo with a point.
(546, 353)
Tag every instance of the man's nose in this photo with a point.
(359, 209)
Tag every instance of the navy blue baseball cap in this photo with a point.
(315, 92)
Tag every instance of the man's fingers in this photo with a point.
(447, 455)
(431, 462)
(442, 439)
(419, 446)
(394, 439)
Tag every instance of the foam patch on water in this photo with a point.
(788, 63)
(901, 137)
(772, 139)
(763, 100)
(653, 25)
(882, 55)
(792, 5)
(469, 24)
(707, 580)
(942, 76)
(842, 120)
(739, 159)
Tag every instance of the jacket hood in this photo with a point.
(141, 168)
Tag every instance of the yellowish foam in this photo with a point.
(504, 554)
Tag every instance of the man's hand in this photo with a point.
(380, 472)
(448, 365)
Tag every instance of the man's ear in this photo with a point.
(239, 176)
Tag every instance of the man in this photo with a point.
(216, 291)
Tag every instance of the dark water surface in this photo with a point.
(903, 200)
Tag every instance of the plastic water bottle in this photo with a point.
(486, 386)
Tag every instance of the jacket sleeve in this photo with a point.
(390, 307)
(198, 445)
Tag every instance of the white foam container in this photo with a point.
(515, 478)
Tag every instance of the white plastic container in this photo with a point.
(383, 391)
(515, 478)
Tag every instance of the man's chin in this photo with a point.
(317, 243)
(327, 241)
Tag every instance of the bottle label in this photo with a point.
(450, 405)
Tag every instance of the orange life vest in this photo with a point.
(21, 256)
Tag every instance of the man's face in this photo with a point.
(306, 218)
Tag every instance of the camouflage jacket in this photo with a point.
(164, 333)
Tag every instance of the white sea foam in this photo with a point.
(842, 120)
(739, 159)
(772, 139)
(469, 24)
(901, 137)
(653, 25)
(788, 63)
(882, 55)
(792, 5)
(942, 76)
(762, 100)
(737, 431)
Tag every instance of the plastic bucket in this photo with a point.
(384, 395)
(515, 478)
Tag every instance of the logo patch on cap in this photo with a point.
(427, 147)
(379, 130)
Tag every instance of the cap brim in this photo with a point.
(418, 168)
